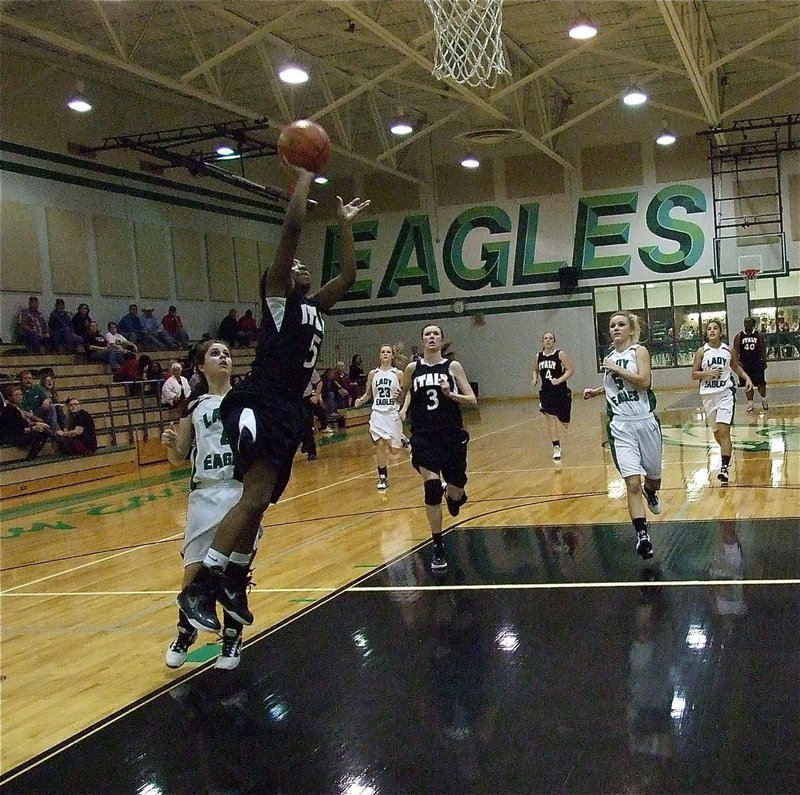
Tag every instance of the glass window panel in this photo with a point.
(764, 317)
(658, 294)
(788, 285)
(632, 296)
(661, 337)
(763, 289)
(788, 334)
(605, 299)
(684, 293)
(711, 293)
(603, 337)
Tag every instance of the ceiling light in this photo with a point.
(401, 126)
(582, 29)
(224, 150)
(634, 96)
(470, 161)
(320, 180)
(293, 74)
(666, 137)
(78, 101)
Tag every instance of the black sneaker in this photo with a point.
(179, 648)
(198, 600)
(724, 475)
(644, 546)
(231, 653)
(438, 561)
(233, 594)
(454, 506)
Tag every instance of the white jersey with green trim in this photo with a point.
(623, 399)
(212, 459)
(385, 385)
(713, 358)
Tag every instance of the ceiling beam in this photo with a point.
(210, 79)
(110, 32)
(753, 44)
(760, 95)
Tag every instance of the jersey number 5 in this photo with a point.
(313, 352)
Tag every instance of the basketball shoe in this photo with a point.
(652, 499)
(233, 593)
(750, 406)
(383, 483)
(724, 474)
(644, 547)
(454, 506)
(198, 599)
(556, 452)
(438, 561)
(179, 648)
(231, 654)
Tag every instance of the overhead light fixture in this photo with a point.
(402, 126)
(320, 180)
(666, 137)
(470, 161)
(293, 74)
(582, 29)
(224, 150)
(78, 101)
(634, 96)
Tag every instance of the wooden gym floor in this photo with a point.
(549, 658)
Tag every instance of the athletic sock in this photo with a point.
(215, 559)
(640, 525)
(557, 443)
(241, 558)
(383, 472)
(726, 460)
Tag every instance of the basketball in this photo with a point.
(304, 143)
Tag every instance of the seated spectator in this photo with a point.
(131, 326)
(48, 383)
(62, 335)
(176, 389)
(228, 330)
(79, 437)
(20, 428)
(346, 390)
(32, 326)
(328, 392)
(81, 320)
(128, 373)
(248, 329)
(35, 400)
(173, 325)
(154, 333)
(119, 341)
(97, 348)
(356, 370)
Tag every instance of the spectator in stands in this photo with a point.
(21, 429)
(81, 321)
(79, 437)
(97, 349)
(128, 372)
(415, 357)
(346, 390)
(173, 325)
(35, 400)
(48, 383)
(131, 326)
(154, 332)
(248, 329)
(61, 332)
(155, 374)
(229, 329)
(32, 326)
(356, 369)
(328, 392)
(119, 341)
(176, 389)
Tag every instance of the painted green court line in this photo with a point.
(303, 600)
(367, 565)
(19, 511)
(204, 653)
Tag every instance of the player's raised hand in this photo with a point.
(347, 212)
(169, 438)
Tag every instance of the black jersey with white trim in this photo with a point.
(430, 409)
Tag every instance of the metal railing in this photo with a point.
(141, 398)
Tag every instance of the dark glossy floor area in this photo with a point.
(545, 660)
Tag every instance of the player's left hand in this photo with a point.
(445, 386)
(347, 212)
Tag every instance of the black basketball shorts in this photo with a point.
(442, 451)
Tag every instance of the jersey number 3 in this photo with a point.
(433, 400)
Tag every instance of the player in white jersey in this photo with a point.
(214, 491)
(634, 432)
(385, 422)
(714, 366)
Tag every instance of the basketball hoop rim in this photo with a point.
(750, 274)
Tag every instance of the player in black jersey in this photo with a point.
(552, 369)
(264, 414)
(438, 388)
(752, 353)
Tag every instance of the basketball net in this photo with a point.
(750, 275)
(468, 44)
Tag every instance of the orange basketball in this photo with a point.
(304, 143)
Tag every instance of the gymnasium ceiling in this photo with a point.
(703, 62)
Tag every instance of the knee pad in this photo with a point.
(433, 492)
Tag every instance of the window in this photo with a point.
(775, 307)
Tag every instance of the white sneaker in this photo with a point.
(179, 648)
(231, 654)
(326, 432)
(653, 503)
(557, 452)
(724, 474)
(764, 405)
(382, 483)
(750, 405)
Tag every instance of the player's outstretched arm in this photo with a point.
(277, 279)
(336, 289)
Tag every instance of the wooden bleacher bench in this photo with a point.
(352, 418)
